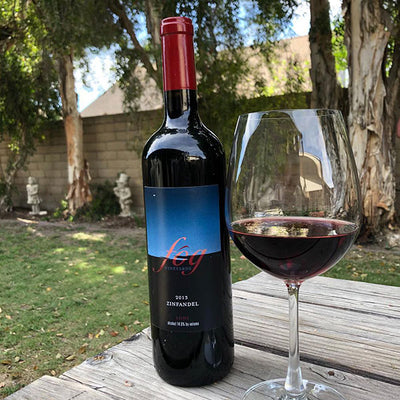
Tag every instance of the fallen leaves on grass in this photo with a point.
(100, 333)
(83, 348)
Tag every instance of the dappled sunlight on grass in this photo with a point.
(94, 236)
(59, 250)
(61, 294)
(84, 265)
(118, 270)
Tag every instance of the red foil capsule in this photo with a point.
(179, 70)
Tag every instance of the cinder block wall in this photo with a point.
(109, 147)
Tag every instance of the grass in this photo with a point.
(374, 265)
(67, 292)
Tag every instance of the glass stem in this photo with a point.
(294, 382)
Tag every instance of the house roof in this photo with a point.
(111, 102)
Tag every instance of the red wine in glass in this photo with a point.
(293, 248)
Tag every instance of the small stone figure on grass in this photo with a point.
(124, 195)
(32, 189)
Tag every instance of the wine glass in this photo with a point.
(293, 209)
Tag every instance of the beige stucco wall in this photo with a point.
(109, 147)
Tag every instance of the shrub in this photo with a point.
(104, 203)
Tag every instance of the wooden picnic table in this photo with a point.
(349, 338)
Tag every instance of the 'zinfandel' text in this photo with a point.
(182, 304)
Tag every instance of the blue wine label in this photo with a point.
(187, 269)
(189, 215)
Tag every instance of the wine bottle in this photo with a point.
(183, 167)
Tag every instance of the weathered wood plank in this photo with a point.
(349, 336)
(127, 372)
(336, 293)
(51, 388)
(348, 340)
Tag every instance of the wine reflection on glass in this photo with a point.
(292, 209)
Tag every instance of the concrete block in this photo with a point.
(52, 157)
(108, 155)
(121, 165)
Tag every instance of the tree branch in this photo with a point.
(153, 26)
(119, 10)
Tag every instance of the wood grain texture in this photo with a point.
(349, 339)
(51, 388)
(336, 293)
(364, 340)
(131, 362)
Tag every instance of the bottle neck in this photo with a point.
(179, 73)
(181, 108)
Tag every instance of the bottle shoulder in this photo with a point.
(197, 141)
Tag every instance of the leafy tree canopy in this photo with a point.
(222, 29)
(28, 94)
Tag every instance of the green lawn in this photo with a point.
(69, 291)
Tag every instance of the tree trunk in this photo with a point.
(372, 114)
(326, 92)
(153, 22)
(78, 173)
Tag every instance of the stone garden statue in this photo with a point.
(124, 195)
(32, 189)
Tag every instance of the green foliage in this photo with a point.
(104, 203)
(66, 25)
(62, 210)
(221, 33)
(223, 122)
(338, 47)
(392, 7)
(28, 94)
(34, 35)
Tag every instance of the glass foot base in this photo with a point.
(275, 390)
